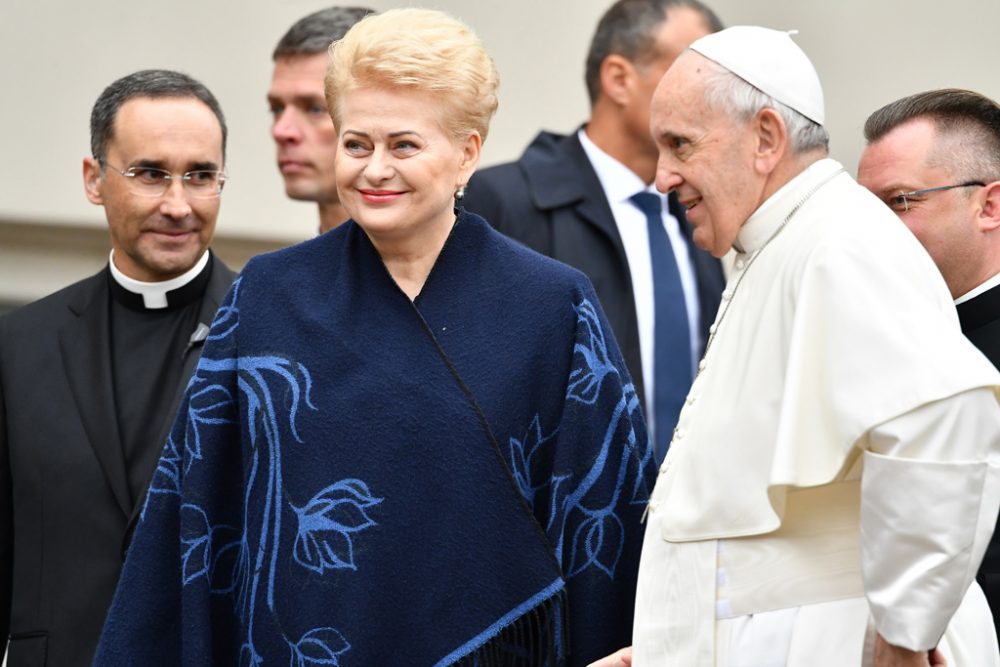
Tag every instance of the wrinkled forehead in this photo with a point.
(685, 77)
(682, 87)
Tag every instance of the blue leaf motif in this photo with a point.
(249, 657)
(598, 541)
(327, 522)
(196, 542)
(590, 354)
(227, 318)
(210, 405)
(321, 646)
(167, 476)
(528, 464)
(197, 538)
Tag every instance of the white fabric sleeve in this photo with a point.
(930, 492)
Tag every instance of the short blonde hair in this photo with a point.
(420, 49)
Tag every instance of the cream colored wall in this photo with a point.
(57, 55)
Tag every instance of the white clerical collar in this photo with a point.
(976, 291)
(759, 226)
(154, 295)
(618, 181)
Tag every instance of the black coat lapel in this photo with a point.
(85, 343)
(560, 176)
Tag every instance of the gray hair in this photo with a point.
(153, 83)
(967, 124)
(728, 92)
(314, 33)
(629, 29)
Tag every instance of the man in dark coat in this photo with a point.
(90, 377)
(575, 198)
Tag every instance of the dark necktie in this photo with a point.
(671, 337)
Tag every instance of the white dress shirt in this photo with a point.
(619, 184)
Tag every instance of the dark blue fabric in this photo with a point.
(671, 335)
(329, 494)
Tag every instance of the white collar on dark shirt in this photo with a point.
(154, 295)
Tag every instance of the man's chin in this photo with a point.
(314, 195)
(164, 264)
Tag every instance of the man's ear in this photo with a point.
(770, 138)
(989, 214)
(92, 180)
(616, 78)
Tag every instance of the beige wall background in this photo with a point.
(57, 55)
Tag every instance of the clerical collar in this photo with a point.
(173, 293)
(976, 291)
(760, 225)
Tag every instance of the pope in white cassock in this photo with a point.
(833, 479)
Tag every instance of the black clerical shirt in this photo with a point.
(148, 346)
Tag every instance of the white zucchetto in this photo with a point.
(771, 62)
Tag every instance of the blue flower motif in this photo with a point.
(599, 541)
(327, 522)
(591, 348)
(321, 646)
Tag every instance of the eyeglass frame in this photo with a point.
(221, 175)
(906, 205)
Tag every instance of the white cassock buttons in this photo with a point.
(702, 365)
(739, 264)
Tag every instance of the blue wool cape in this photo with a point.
(358, 479)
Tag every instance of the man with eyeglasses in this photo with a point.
(301, 127)
(934, 159)
(90, 376)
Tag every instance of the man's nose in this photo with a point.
(286, 127)
(175, 202)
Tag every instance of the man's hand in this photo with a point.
(887, 655)
(620, 658)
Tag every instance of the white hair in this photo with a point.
(728, 92)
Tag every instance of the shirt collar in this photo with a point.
(976, 291)
(154, 295)
(619, 182)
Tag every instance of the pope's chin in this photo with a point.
(704, 238)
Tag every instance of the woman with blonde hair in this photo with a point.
(410, 441)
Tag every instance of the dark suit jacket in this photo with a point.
(64, 496)
(552, 201)
(980, 319)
